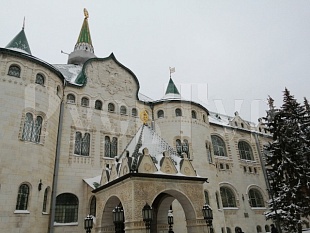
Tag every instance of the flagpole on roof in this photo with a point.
(172, 70)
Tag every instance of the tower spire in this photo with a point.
(83, 49)
(20, 42)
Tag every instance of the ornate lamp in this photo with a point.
(118, 219)
(88, 223)
(170, 221)
(208, 216)
(147, 214)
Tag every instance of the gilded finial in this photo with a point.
(86, 13)
(144, 116)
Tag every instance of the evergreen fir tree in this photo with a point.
(287, 164)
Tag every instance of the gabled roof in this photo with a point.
(20, 43)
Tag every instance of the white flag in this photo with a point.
(172, 69)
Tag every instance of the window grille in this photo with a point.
(110, 149)
(256, 198)
(66, 210)
(82, 144)
(14, 71)
(228, 197)
(22, 197)
(39, 79)
(219, 148)
(245, 150)
(32, 128)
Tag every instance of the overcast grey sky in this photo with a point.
(228, 55)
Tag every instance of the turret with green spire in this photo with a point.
(171, 91)
(83, 49)
(20, 42)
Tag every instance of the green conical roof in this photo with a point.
(20, 42)
(84, 36)
(171, 88)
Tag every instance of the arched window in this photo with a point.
(160, 114)
(66, 210)
(32, 128)
(22, 197)
(204, 118)
(110, 149)
(123, 110)
(256, 198)
(228, 230)
(92, 206)
(207, 200)
(245, 151)
(82, 144)
(219, 148)
(267, 228)
(45, 200)
(134, 112)
(59, 91)
(40, 79)
(14, 70)
(178, 112)
(185, 147)
(194, 115)
(228, 197)
(85, 102)
(178, 146)
(70, 99)
(242, 125)
(111, 107)
(258, 229)
(98, 105)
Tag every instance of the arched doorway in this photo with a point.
(107, 221)
(183, 212)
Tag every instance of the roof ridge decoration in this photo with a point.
(20, 42)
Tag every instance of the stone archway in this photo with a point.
(184, 214)
(107, 225)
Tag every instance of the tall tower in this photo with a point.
(83, 49)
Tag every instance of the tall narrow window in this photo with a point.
(228, 197)
(160, 114)
(98, 105)
(85, 144)
(178, 112)
(45, 198)
(194, 115)
(40, 79)
(123, 110)
(245, 151)
(22, 197)
(217, 200)
(32, 128)
(66, 210)
(228, 230)
(258, 229)
(92, 207)
(256, 198)
(178, 146)
(82, 144)
(219, 148)
(85, 102)
(110, 147)
(70, 99)
(14, 70)
(185, 147)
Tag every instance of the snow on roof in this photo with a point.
(92, 181)
(154, 143)
(70, 72)
(145, 98)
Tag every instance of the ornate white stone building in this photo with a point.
(73, 144)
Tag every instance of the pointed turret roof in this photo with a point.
(171, 88)
(171, 91)
(83, 49)
(20, 43)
